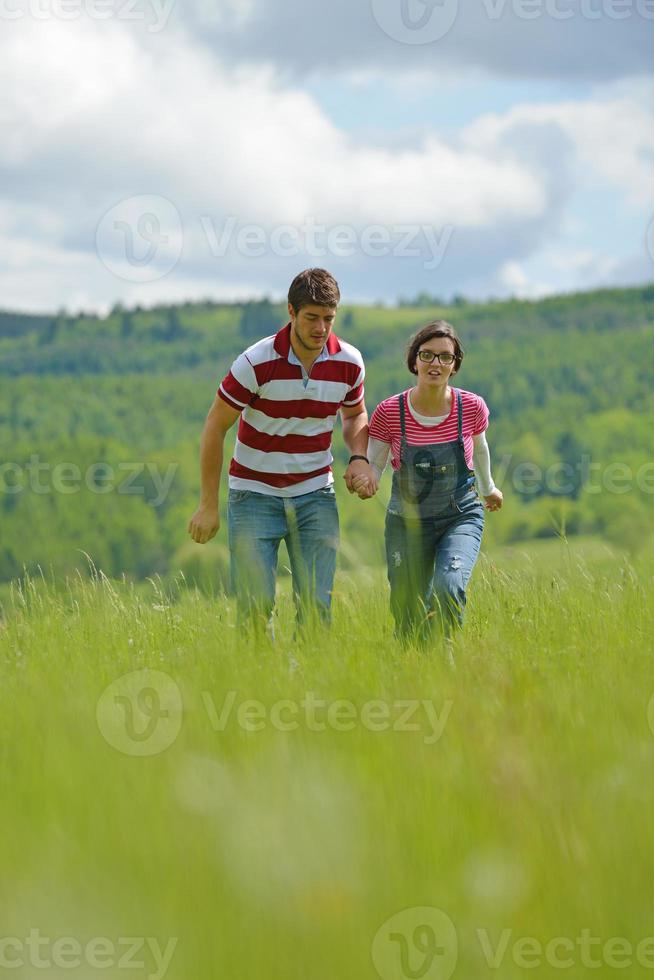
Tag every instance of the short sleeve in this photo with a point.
(481, 417)
(356, 392)
(239, 386)
(378, 427)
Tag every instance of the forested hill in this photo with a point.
(569, 381)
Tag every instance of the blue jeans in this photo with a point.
(430, 561)
(308, 524)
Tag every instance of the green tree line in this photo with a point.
(100, 421)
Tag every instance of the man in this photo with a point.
(287, 390)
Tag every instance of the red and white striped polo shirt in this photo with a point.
(283, 444)
(385, 425)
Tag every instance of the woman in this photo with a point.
(435, 518)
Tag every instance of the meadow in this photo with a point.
(184, 801)
(206, 804)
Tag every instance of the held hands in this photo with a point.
(360, 479)
(204, 524)
(494, 500)
(364, 487)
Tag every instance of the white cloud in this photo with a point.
(102, 112)
(613, 137)
(514, 280)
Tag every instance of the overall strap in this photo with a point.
(402, 418)
(459, 411)
(402, 423)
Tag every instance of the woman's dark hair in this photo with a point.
(314, 286)
(437, 328)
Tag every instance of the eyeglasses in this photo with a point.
(428, 357)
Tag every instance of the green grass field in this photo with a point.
(308, 833)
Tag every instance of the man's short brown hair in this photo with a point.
(314, 286)
(437, 328)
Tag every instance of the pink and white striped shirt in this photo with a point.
(385, 425)
(283, 444)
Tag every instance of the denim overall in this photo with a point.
(434, 526)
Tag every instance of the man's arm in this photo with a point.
(355, 437)
(205, 522)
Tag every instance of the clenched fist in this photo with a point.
(204, 524)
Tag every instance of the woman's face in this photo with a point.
(435, 374)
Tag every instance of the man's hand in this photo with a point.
(494, 500)
(359, 468)
(204, 524)
(364, 487)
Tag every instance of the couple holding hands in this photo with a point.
(286, 391)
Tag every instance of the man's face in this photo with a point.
(311, 327)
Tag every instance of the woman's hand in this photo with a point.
(494, 500)
(365, 486)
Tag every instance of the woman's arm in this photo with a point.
(378, 453)
(481, 465)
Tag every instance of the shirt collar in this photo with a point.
(282, 344)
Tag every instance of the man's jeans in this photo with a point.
(430, 561)
(257, 524)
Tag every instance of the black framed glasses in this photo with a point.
(428, 357)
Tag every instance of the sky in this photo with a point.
(159, 151)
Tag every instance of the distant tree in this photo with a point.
(571, 452)
(422, 300)
(126, 326)
(171, 329)
(259, 319)
(174, 329)
(50, 332)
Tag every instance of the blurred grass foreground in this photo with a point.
(183, 802)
